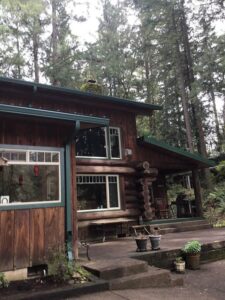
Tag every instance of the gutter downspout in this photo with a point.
(68, 204)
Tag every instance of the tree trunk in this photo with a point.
(195, 104)
(181, 86)
(35, 55)
(54, 40)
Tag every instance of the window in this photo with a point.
(93, 143)
(98, 192)
(30, 176)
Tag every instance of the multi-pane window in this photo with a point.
(93, 143)
(98, 192)
(29, 176)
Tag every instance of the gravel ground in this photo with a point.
(208, 283)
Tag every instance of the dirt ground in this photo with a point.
(208, 283)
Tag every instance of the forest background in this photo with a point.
(165, 52)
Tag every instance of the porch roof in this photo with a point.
(50, 114)
(201, 161)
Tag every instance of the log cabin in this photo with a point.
(71, 161)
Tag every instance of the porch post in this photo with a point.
(198, 193)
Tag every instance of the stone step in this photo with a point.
(115, 268)
(154, 277)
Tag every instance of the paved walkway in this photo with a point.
(125, 247)
(208, 283)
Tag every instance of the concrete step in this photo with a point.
(115, 268)
(154, 277)
(185, 228)
(180, 224)
(193, 227)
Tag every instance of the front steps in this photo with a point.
(180, 225)
(128, 273)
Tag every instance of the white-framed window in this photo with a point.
(93, 143)
(30, 176)
(98, 192)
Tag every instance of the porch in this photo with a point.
(212, 240)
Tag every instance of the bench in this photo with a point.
(104, 223)
(145, 229)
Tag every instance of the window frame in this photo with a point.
(107, 145)
(120, 144)
(60, 163)
(107, 193)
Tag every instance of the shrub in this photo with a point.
(3, 281)
(59, 267)
(192, 247)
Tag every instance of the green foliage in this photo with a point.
(220, 172)
(4, 283)
(175, 189)
(214, 205)
(59, 267)
(179, 259)
(192, 247)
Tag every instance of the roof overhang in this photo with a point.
(139, 107)
(50, 114)
(193, 158)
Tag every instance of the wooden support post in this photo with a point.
(198, 193)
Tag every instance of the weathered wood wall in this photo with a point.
(27, 236)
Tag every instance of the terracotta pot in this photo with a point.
(180, 266)
(141, 244)
(193, 261)
(155, 241)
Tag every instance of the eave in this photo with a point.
(140, 107)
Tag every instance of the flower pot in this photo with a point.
(155, 241)
(193, 261)
(141, 244)
(179, 266)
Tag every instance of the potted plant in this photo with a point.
(179, 265)
(141, 241)
(192, 251)
(155, 238)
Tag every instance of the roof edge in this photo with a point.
(71, 91)
(51, 114)
(181, 151)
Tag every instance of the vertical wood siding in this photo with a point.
(27, 236)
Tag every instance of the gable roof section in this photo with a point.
(72, 92)
(176, 150)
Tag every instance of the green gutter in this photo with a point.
(195, 156)
(68, 91)
(50, 114)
